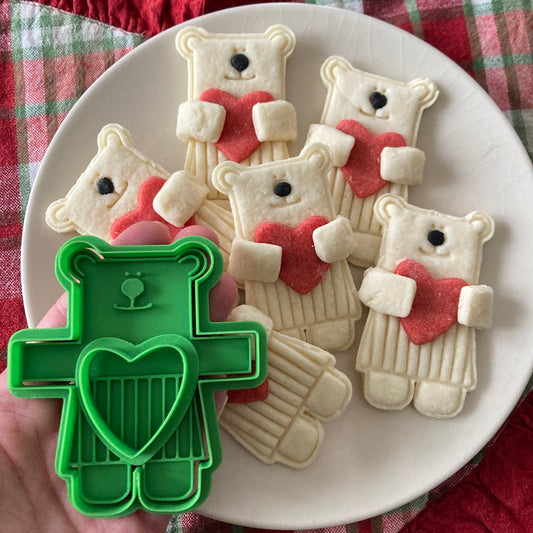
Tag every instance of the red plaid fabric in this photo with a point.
(49, 57)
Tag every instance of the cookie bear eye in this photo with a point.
(239, 62)
(282, 189)
(378, 100)
(105, 186)
(436, 237)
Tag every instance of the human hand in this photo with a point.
(32, 496)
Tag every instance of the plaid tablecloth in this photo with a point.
(51, 51)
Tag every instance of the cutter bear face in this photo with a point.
(447, 246)
(286, 192)
(108, 187)
(380, 104)
(236, 63)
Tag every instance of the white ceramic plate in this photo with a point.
(371, 461)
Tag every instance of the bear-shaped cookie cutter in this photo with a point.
(137, 366)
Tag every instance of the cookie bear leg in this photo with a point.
(438, 400)
(331, 335)
(329, 395)
(301, 441)
(388, 391)
(270, 431)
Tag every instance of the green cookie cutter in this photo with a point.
(137, 366)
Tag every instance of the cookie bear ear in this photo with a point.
(318, 154)
(224, 176)
(426, 90)
(282, 37)
(114, 134)
(388, 206)
(188, 38)
(482, 224)
(57, 217)
(330, 68)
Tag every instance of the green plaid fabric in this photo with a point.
(56, 57)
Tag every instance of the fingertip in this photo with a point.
(56, 317)
(197, 230)
(223, 298)
(145, 232)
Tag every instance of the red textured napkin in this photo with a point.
(490, 40)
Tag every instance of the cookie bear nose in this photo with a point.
(436, 237)
(239, 62)
(282, 189)
(105, 186)
(378, 100)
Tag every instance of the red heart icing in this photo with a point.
(144, 210)
(238, 139)
(435, 304)
(301, 268)
(362, 170)
(249, 395)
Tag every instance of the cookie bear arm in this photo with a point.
(340, 143)
(334, 241)
(202, 121)
(254, 261)
(274, 121)
(387, 293)
(475, 306)
(179, 198)
(403, 165)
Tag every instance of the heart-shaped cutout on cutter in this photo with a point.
(130, 353)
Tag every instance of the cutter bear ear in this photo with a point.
(225, 176)
(318, 154)
(331, 67)
(114, 134)
(388, 206)
(282, 37)
(188, 38)
(482, 224)
(426, 90)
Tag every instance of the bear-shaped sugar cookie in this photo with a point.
(236, 106)
(303, 390)
(118, 188)
(107, 189)
(370, 123)
(291, 248)
(418, 343)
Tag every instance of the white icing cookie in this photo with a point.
(418, 343)
(283, 216)
(236, 106)
(107, 189)
(370, 123)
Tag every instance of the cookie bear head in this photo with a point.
(447, 246)
(236, 63)
(108, 187)
(380, 104)
(287, 191)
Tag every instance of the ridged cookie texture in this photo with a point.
(304, 390)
